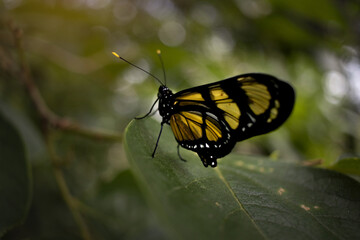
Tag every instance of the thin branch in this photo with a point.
(43, 110)
(64, 190)
(53, 121)
(311, 163)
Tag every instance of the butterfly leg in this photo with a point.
(178, 152)
(138, 118)
(157, 141)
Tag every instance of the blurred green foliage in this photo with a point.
(67, 44)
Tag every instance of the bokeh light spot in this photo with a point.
(124, 11)
(172, 34)
(335, 86)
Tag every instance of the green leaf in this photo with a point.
(347, 166)
(15, 183)
(34, 144)
(244, 197)
(119, 211)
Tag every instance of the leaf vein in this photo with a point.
(241, 207)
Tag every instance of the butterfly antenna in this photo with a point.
(117, 55)
(162, 64)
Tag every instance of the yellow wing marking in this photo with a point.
(218, 94)
(231, 112)
(194, 122)
(258, 94)
(213, 132)
(234, 123)
(185, 103)
(193, 96)
(230, 108)
(174, 127)
(274, 111)
(186, 126)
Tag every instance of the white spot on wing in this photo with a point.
(251, 118)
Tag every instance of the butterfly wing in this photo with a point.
(264, 102)
(203, 132)
(210, 119)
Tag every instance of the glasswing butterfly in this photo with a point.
(211, 118)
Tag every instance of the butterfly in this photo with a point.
(210, 119)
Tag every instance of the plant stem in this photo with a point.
(64, 190)
(48, 116)
(52, 121)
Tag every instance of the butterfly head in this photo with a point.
(164, 92)
(165, 105)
